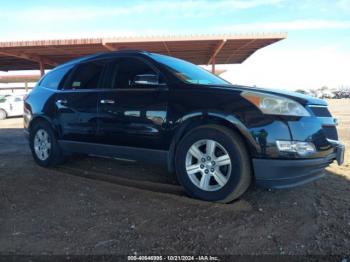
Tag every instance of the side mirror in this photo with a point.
(146, 79)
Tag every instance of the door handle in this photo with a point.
(62, 101)
(107, 101)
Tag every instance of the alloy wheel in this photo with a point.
(208, 165)
(42, 144)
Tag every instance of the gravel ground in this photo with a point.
(90, 206)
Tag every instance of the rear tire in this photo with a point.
(3, 114)
(43, 144)
(212, 164)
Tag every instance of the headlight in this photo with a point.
(275, 105)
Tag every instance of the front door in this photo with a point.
(17, 106)
(133, 105)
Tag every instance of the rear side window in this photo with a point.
(55, 78)
(86, 76)
(18, 99)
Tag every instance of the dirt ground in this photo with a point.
(90, 206)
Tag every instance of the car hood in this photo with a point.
(301, 98)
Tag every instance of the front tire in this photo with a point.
(3, 114)
(212, 164)
(43, 144)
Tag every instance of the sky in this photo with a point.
(316, 52)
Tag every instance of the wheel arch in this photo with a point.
(189, 122)
(5, 112)
(41, 118)
(3, 109)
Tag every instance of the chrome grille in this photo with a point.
(330, 132)
(328, 122)
(320, 111)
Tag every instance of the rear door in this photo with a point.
(76, 102)
(132, 105)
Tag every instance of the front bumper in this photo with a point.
(278, 173)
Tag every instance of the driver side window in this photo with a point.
(18, 99)
(128, 73)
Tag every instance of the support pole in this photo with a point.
(26, 86)
(213, 65)
(42, 68)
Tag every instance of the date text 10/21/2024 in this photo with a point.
(173, 258)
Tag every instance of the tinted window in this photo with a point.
(188, 72)
(3, 98)
(55, 78)
(86, 76)
(18, 99)
(125, 71)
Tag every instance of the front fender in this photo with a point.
(213, 117)
(241, 128)
(194, 119)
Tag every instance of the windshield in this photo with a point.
(188, 72)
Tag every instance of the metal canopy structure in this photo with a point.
(6, 79)
(200, 49)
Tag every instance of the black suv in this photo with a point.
(217, 137)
